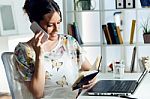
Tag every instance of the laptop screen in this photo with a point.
(142, 76)
(99, 64)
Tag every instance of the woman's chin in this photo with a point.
(53, 38)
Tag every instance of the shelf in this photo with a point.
(91, 44)
(143, 44)
(90, 26)
(83, 11)
(124, 44)
(143, 8)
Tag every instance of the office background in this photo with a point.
(14, 28)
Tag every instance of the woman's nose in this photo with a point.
(56, 28)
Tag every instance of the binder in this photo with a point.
(120, 4)
(76, 33)
(129, 3)
(113, 33)
(133, 60)
(107, 34)
(119, 35)
(132, 31)
(70, 29)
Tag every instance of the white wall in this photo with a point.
(22, 18)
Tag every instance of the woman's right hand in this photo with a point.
(38, 45)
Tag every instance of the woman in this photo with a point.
(53, 65)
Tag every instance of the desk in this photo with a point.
(142, 92)
(4, 95)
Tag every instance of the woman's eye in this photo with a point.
(49, 25)
(58, 22)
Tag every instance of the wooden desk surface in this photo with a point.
(4, 95)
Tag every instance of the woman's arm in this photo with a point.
(36, 85)
(85, 67)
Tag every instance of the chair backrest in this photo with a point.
(8, 61)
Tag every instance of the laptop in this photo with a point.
(116, 87)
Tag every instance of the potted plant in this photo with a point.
(146, 31)
(145, 3)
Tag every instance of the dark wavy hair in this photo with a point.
(36, 9)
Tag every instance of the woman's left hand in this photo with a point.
(90, 84)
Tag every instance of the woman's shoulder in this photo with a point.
(22, 47)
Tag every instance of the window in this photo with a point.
(7, 24)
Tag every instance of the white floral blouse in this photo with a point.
(61, 65)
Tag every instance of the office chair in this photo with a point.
(9, 66)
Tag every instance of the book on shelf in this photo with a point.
(113, 33)
(132, 31)
(119, 34)
(133, 59)
(73, 30)
(107, 34)
(86, 76)
(77, 33)
(70, 29)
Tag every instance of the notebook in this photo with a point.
(83, 79)
(116, 87)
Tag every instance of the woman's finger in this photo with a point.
(37, 34)
(87, 86)
(38, 38)
(90, 84)
(93, 80)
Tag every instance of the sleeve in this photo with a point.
(78, 52)
(24, 62)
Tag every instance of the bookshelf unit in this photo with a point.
(90, 26)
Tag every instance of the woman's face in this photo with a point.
(51, 24)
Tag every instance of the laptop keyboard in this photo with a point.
(121, 86)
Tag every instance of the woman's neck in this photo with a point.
(50, 45)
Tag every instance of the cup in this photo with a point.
(118, 70)
(85, 4)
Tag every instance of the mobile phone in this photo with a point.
(36, 28)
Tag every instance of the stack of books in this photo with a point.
(73, 30)
(112, 33)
